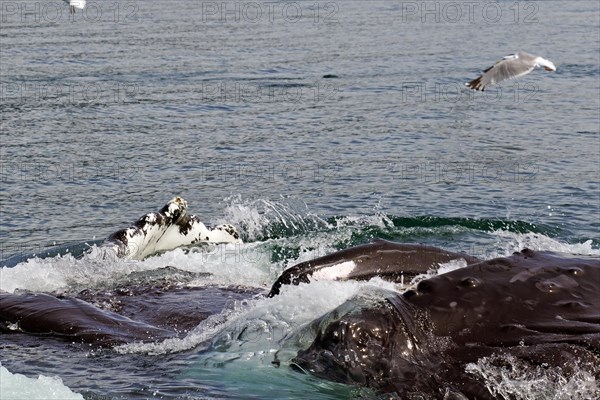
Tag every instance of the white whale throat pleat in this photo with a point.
(335, 272)
(167, 229)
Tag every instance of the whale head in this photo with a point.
(366, 346)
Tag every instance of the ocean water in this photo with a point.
(312, 126)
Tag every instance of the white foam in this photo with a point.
(442, 269)
(228, 263)
(20, 387)
(58, 274)
(515, 379)
(246, 264)
(510, 242)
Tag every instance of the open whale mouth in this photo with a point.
(361, 347)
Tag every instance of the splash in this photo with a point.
(509, 378)
(442, 268)
(222, 264)
(266, 219)
(261, 326)
(510, 242)
(65, 273)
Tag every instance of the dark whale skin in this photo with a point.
(385, 259)
(542, 308)
(124, 315)
(72, 319)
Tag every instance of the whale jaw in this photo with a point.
(169, 228)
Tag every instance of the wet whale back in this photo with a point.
(389, 260)
(536, 296)
(74, 318)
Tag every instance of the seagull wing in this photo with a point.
(508, 68)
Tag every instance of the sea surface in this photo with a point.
(310, 125)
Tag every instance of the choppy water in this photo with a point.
(311, 125)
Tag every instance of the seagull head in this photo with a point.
(547, 64)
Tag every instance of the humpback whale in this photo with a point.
(123, 315)
(389, 260)
(539, 309)
(71, 318)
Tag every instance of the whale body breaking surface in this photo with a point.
(535, 308)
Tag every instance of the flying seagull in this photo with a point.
(74, 4)
(510, 67)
